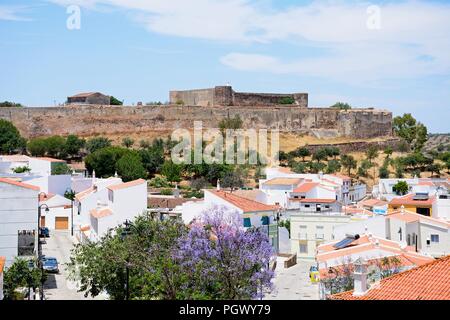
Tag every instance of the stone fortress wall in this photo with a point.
(226, 96)
(94, 120)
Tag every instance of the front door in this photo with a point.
(42, 223)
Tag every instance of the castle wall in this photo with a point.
(93, 120)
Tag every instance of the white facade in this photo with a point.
(441, 207)
(9, 163)
(308, 231)
(18, 212)
(107, 205)
(59, 207)
(56, 184)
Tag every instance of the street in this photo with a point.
(57, 287)
(294, 283)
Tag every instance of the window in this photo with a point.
(265, 220)
(319, 232)
(26, 243)
(295, 197)
(111, 196)
(303, 248)
(307, 206)
(327, 207)
(247, 223)
(435, 238)
(408, 239)
(303, 197)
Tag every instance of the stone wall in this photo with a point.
(359, 146)
(226, 96)
(94, 120)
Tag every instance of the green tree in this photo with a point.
(129, 167)
(60, 168)
(7, 104)
(37, 147)
(349, 163)
(413, 132)
(401, 188)
(371, 153)
(127, 142)
(104, 161)
(435, 168)
(320, 155)
(388, 152)
(231, 123)
(233, 180)
(171, 171)
(302, 152)
(20, 275)
(115, 102)
(341, 106)
(73, 145)
(152, 159)
(97, 143)
(299, 167)
(10, 138)
(333, 166)
(55, 146)
(383, 172)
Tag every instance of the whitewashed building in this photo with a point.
(18, 219)
(107, 204)
(59, 214)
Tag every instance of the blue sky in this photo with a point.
(138, 50)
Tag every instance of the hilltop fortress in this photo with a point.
(257, 111)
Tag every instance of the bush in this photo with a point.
(166, 192)
(60, 169)
(21, 169)
(383, 172)
(341, 106)
(115, 102)
(97, 143)
(401, 188)
(159, 182)
(286, 100)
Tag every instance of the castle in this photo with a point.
(285, 112)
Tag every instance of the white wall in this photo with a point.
(57, 184)
(18, 211)
(441, 209)
(375, 225)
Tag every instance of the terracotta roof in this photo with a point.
(2, 264)
(44, 197)
(284, 170)
(408, 200)
(83, 95)
(127, 185)
(80, 195)
(19, 184)
(15, 158)
(404, 260)
(283, 181)
(314, 200)
(349, 210)
(162, 202)
(364, 243)
(50, 159)
(246, 205)
(249, 194)
(101, 213)
(373, 203)
(341, 176)
(430, 281)
(306, 187)
(85, 228)
(409, 216)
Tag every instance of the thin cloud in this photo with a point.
(13, 13)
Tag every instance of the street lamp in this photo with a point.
(40, 264)
(277, 217)
(71, 195)
(125, 233)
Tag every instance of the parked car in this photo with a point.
(50, 264)
(44, 232)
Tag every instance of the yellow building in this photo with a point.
(420, 204)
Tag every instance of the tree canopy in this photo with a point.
(10, 138)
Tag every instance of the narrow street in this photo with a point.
(57, 286)
(294, 283)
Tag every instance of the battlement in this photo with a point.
(226, 96)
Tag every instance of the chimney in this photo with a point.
(176, 192)
(93, 177)
(218, 184)
(360, 277)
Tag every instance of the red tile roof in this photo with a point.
(2, 264)
(50, 159)
(101, 213)
(314, 200)
(19, 184)
(283, 181)
(430, 281)
(306, 187)
(408, 200)
(246, 205)
(44, 197)
(373, 203)
(127, 185)
(409, 216)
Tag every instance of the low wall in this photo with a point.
(359, 146)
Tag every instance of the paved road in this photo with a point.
(294, 283)
(57, 287)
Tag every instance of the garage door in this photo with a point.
(61, 223)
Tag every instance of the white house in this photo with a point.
(10, 162)
(59, 214)
(427, 235)
(384, 189)
(18, 219)
(2, 266)
(108, 204)
(52, 184)
(44, 165)
(253, 213)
